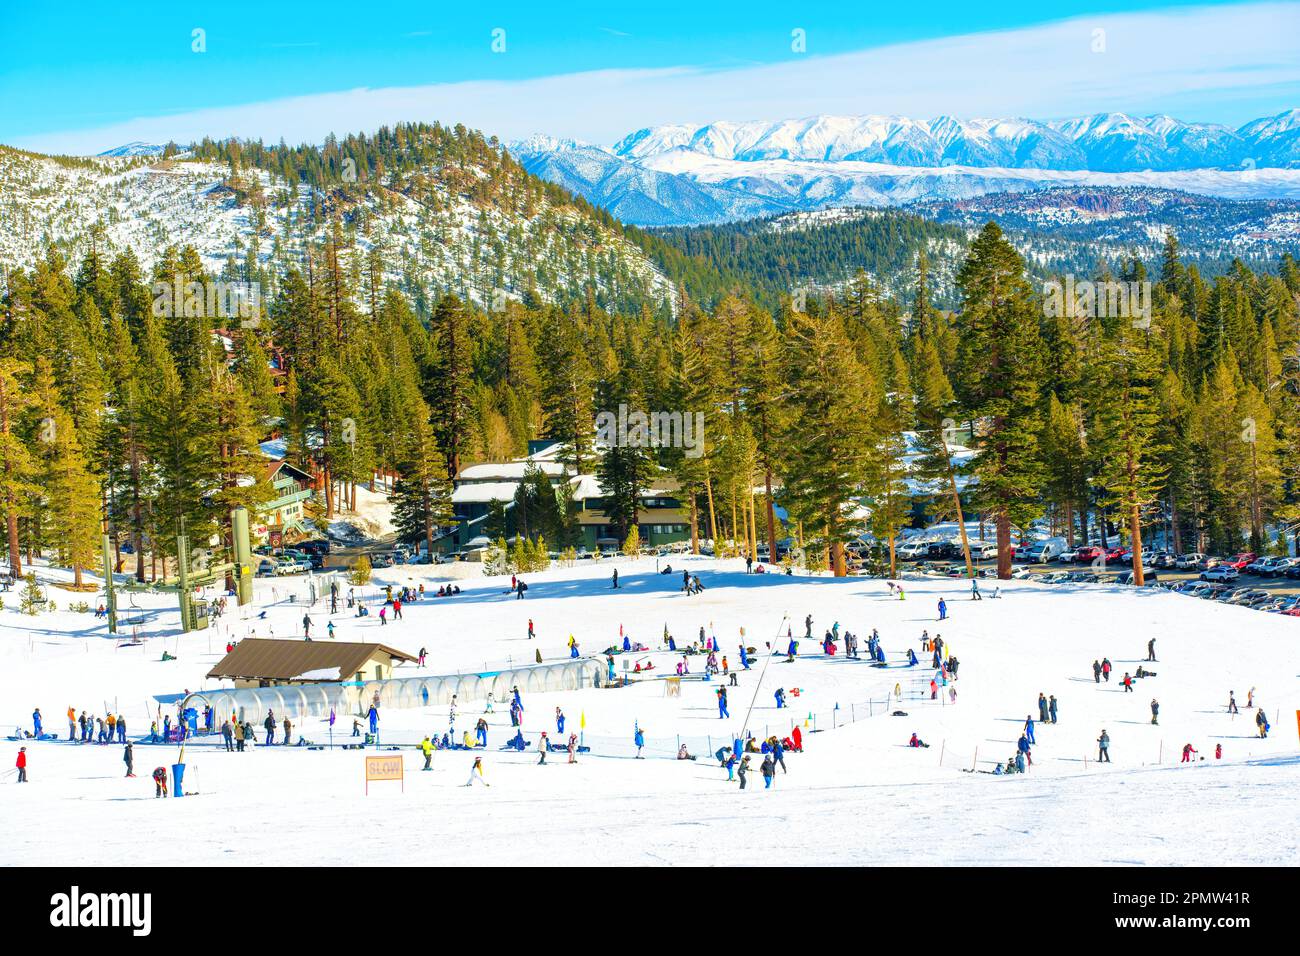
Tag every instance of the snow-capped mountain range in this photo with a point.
(680, 174)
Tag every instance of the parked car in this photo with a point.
(1248, 597)
(1261, 566)
(1188, 561)
(1056, 577)
(1149, 576)
(1221, 572)
(1022, 551)
(1209, 562)
(1115, 555)
(1240, 561)
(1164, 559)
(1087, 553)
(912, 551)
(1043, 551)
(982, 550)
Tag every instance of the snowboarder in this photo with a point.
(1103, 747)
(943, 610)
(1128, 683)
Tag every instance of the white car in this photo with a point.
(1220, 572)
(912, 551)
(1187, 562)
(1068, 557)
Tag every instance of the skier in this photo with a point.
(780, 698)
(769, 772)
(374, 720)
(36, 723)
(778, 754)
(638, 738)
(72, 723)
(476, 774)
(159, 782)
(1188, 750)
(1155, 711)
(573, 748)
(1103, 747)
(1029, 728)
(559, 722)
(480, 731)
(742, 770)
(743, 658)
(128, 758)
(943, 610)
(21, 764)
(1232, 703)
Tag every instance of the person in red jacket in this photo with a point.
(1188, 750)
(22, 765)
(797, 737)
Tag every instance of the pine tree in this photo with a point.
(16, 466)
(1001, 363)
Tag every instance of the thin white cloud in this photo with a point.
(1231, 63)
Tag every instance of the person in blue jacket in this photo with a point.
(722, 703)
(374, 720)
(943, 610)
(743, 658)
(792, 649)
(638, 738)
(1029, 728)
(627, 642)
(1022, 750)
(36, 722)
(780, 697)
(911, 658)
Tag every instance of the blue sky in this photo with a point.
(78, 77)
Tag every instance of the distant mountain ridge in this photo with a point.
(695, 174)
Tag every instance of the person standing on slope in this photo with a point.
(943, 610)
(638, 738)
(128, 758)
(1042, 708)
(1096, 672)
(1103, 747)
(21, 764)
(1106, 669)
(1155, 711)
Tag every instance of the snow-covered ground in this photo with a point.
(856, 795)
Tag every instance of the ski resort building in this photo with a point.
(264, 662)
(662, 518)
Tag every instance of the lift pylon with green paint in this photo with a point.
(194, 614)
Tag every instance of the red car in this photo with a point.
(1239, 561)
(1089, 552)
(1115, 554)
